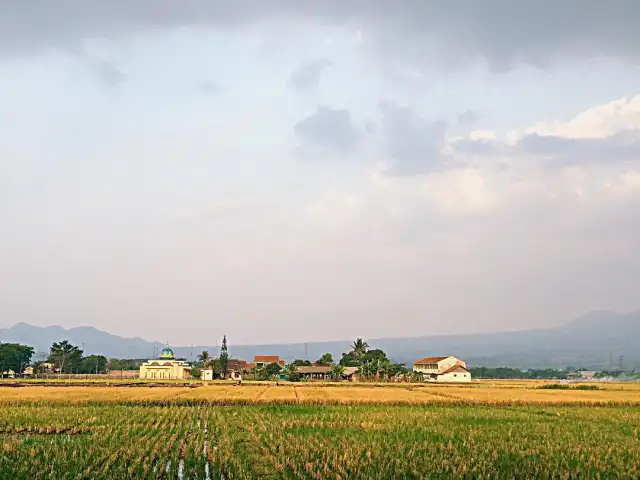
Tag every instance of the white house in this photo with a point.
(442, 369)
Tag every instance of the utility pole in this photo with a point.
(621, 363)
(306, 351)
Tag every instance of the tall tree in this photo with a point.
(273, 369)
(215, 364)
(224, 357)
(65, 356)
(14, 356)
(326, 359)
(93, 364)
(301, 363)
(204, 358)
(359, 347)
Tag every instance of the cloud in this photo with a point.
(467, 118)
(109, 74)
(413, 144)
(602, 134)
(597, 122)
(502, 32)
(308, 74)
(209, 87)
(330, 129)
(559, 151)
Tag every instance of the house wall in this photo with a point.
(432, 368)
(176, 370)
(454, 377)
(206, 375)
(446, 364)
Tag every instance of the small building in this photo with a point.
(264, 360)
(442, 369)
(165, 367)
(48, 367)
(319, 372)
(350, 374)
(235, 368)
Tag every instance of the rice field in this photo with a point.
(318, 431)
(267, 393)
(96, 440)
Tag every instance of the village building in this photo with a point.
(442, 369)
(165, 367)
(319, 372)
(235, 368)
(264, 360)
(350, 374)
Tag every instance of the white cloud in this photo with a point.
(600, 122)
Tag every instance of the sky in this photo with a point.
(291, 171)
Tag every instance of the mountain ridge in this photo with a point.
(595, 340)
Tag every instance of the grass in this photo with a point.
(149, 440)
(564, 386)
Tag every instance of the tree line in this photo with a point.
(65, 357)
(371, 363)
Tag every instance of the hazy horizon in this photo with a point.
(288, 172)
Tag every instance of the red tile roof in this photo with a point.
(267, 359)
(430, 360)
(455, 368)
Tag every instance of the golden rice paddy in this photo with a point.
(488, 393)
(487, 429)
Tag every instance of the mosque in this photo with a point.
(166, 366)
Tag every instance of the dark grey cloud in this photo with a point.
(109, 74)
(413, 143)
(308, 74)
(467, 118)
(328, 128)
(502, 32)
(561, 151)
(209, 87)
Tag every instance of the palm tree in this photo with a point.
(204, 358)
(359, 347)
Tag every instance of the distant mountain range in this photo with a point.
(600, 339)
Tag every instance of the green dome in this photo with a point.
(167, 353)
